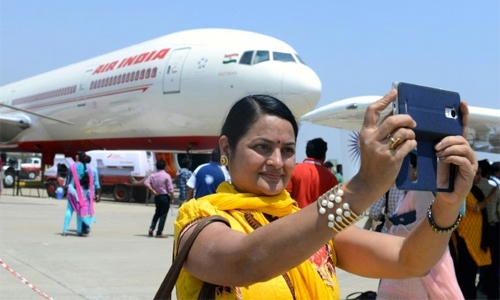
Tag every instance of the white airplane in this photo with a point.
(348, 114)
(168, 94)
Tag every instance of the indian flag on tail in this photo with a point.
(230, 58)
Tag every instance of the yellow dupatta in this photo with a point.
(313, 279)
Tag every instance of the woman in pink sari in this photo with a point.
(441, 282)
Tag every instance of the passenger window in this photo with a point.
(285, 57)
(261, 56)
(246, 58)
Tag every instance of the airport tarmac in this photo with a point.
(116, 261)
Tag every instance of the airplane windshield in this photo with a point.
(299, 59)
(255, 57)
(246, 58)
(260, 56)
(280, 56)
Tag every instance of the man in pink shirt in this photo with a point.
(160, 184)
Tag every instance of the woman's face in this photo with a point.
(264, 158)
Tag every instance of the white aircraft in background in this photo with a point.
(348, 114)
(167, 94)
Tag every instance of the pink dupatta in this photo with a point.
(83, 208)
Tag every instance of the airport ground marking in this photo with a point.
(24, 280)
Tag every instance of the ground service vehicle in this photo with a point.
(121, 172)
(29, 170)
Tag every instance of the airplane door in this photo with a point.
(173, 71)
(83, 88)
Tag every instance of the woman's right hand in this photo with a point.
(379, 163)
(457, 151)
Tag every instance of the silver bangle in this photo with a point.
(438, 229)
(342, 215)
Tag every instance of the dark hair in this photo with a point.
(339, 168)
(160, 165)
(485, 167)
(84, 158)
(185, 162)
(316, 148)
(215, 155)
(328, 164)
(495, 167)
(245, 112)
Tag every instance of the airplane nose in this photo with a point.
(301, 89)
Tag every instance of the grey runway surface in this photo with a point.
(116, 261)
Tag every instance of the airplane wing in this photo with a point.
(348, 114)
(12, 125)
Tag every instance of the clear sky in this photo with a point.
(355, 47)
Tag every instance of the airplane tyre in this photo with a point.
(122, 193)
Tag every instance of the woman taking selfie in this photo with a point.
(274, 250)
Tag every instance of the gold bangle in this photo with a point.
(438, 229)
(342, 215)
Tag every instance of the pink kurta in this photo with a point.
(441, 282)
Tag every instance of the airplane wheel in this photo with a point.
(51, 187)
(9, 179)
(121, 193)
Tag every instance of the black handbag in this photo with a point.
(208, 290)
(404, 218)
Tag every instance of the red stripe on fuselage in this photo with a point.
(89, 96)
(174, 144)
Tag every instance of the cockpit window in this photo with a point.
(299, 59)
(255, 57)
(246, 58)
(285, 57)
(261, 56)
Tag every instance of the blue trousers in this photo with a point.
(80, 226)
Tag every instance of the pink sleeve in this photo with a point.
(441, 282)
(170, 186)
(148, 180)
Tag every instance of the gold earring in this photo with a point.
(223, 160)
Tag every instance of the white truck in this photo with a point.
(121, 172)
(29, 170)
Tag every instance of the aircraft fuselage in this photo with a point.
(170, 93)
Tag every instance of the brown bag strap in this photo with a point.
(166, 287)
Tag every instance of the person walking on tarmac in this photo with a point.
(160, 184)
(82, 184)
